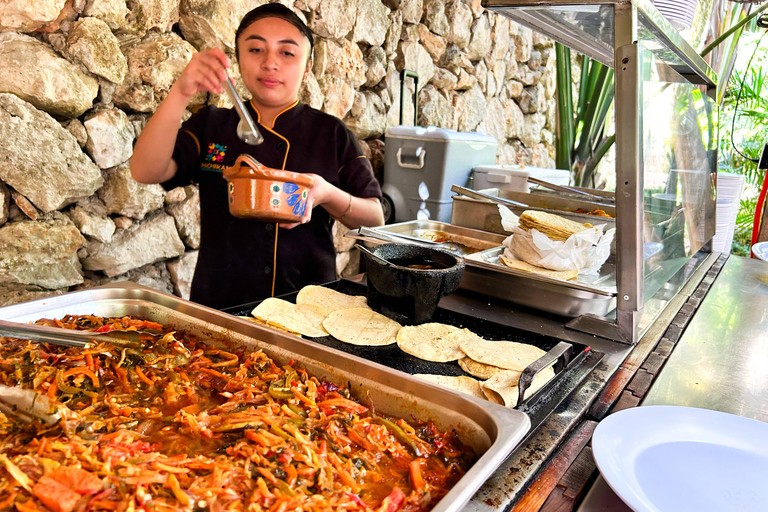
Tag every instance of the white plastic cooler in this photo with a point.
(436, 157)
(515, 177)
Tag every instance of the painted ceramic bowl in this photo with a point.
(260, 193)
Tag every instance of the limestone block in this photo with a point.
(92, 43)
(153, 239)
(41, 253)
(110, 137)
(182, 271)
(37, 74)
(186, 214)
(52, 178)
(26, 16)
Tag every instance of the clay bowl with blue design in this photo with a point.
(260, 193)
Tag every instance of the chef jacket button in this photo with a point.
(268, 227)
(267, 270)
(281, 145)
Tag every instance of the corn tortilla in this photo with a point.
(361, 326)
(480, 370)
(466, 385)
(329, 300)
(303, 319)
(509, 355)
(433, 341)
(566, 275)
(502, 387)
(267, 324)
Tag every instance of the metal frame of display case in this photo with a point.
(619, 43)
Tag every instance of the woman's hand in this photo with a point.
(351, 210)
(204, 72)
(317, 195)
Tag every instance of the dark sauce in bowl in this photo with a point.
(418, 263)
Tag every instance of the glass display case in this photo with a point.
(666, 147)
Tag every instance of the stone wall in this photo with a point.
(79, 78)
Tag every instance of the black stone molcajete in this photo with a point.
(412, 292)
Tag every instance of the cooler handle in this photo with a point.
(403, 75)
(420, 153)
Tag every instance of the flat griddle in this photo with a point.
(568, 373)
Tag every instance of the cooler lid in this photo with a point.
(437, 134)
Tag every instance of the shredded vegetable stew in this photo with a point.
(178, 425)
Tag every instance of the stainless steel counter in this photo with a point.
(720, 362)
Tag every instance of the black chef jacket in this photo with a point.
(243, 260)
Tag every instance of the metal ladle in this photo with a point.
(246, 128)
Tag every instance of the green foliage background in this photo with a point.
(750, 130)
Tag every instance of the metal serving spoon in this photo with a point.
(246, 128)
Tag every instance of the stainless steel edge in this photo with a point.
(629, 185)
(493, 431)
(541, 295)
(480, 260)
(563, 33)
(698, 70)
(412, 226)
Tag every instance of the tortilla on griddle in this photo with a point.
(301, 318)
(330, 300)
(267, 324)
(433, 341)
(361, 326)
(566, 275)
(509, 355)
(466, 385)
(553, 226)
(502, 387)
(480, 370)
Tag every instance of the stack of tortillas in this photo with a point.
(501, 363)
(498, 363)
(554, 226)
(527, 267)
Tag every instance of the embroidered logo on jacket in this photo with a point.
(214, 157)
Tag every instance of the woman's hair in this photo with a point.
(274, 10)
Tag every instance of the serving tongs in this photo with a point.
(474, 194)
(568, 190)
(69, 337)
(26, 406)
(363, 232)
(246, 128)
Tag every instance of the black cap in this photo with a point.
(274, 10)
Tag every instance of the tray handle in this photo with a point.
(562, 351)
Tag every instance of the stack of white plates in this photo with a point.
(679, 13)
(729, 188)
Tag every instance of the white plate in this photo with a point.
(760, 250)
(677, 459)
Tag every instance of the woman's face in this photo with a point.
(273, 60)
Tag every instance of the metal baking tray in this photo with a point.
(492, 431)
(586, 294)
(480, 214)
